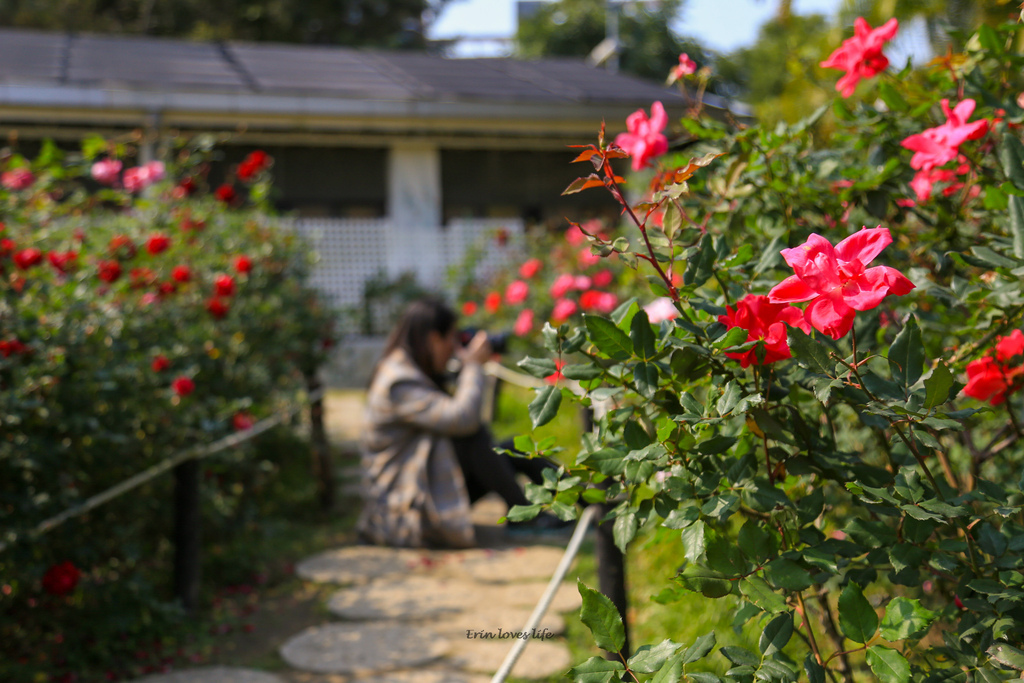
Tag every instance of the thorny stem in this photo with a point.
(807, 624)
(621, 199)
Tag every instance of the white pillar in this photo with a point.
(414, 210)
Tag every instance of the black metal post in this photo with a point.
(186, 534)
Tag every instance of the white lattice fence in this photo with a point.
(351, 251)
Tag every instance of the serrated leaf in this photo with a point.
(906, 355)
(596, 670)
(757, 590)
(581, 371)
(624, 529)
(937, 386)
(905, 618)
(700, 648)
(544, 406)
(599, 614)
(521, 513)
(1007, 655)
(740, 656)
(776, 634)
(608, 338)
(888, 665)
(646, 377)
(700, 266)
(787, 574)
(815, 671)
(607, 461)
(693, 538)
(642, 336)
(649, 659)
(809, 353)
(537, 367)
(857, 617)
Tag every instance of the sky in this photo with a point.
(722, 25)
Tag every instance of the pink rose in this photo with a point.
(644, 139)
(106, 171)
(17, 180)
(561, 286)
(563, 309)
(516, 292)
(524, 323)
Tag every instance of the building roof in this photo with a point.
(198, 81)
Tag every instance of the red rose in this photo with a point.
(493, 302)
(243, 264)
(109, 271)
(160, 363)
(224, 285)
(158, 242)
(166, 288)
(183, 386)
(61, 579)
(530, 268)
(6, 247)
(121, 247)
(142, 277)
(226, 194)
(9, 347)
(62, 261)
(242, 421)
(26, 258)
(217, 307)
(181, 273)
(469, 308)
(187, 186)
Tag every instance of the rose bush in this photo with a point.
(139, 316)
(827, 421)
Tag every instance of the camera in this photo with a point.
(498, 341)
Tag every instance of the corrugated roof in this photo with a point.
(161, 64)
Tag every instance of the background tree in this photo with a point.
(573, 28)
(378, 23)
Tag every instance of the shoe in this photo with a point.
(544, 524)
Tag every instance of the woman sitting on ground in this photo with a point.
(426, 456)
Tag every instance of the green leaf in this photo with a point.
(888, 665)
(642, 335)
(671, 671)
(1011, 156)
(787, 574)
(581, 371)
(608, 338)
(646, 377)
(730, 397)
(1017, 225)
(857, 617)
(740, 656)
(815, 672)
(757, 590)
(809, 353)
(906, 355)
(521, 513)
(681, 518)
(544, 406)
(700, 266)
(700, 648)
(624, 529)
(537, 367)
(649, 659)
(906, 618)
(608, 461)
(523, 443)
(693, 538)
(596, 670)
(937, 386)
(891, 96)
(776, 634)
(602, 618)
(1007, 655)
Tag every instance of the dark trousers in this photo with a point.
(487, 471)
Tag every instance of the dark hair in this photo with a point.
(422, 317)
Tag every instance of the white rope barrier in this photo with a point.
(159, 468)
(545, 601)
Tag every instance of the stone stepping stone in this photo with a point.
(359, 564)
(512, 619)
(362, 648)
(414, 597)
(212, 674)
(420, 597)
(532, 563)
(540, 659)
(426, 676)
